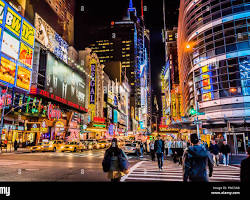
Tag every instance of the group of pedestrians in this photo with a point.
(197, 157)
(173, 148)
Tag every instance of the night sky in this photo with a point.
(98, 14)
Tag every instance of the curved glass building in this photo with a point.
(217, 33)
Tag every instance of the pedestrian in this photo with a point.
(115, 162)
(169, 147)
(245, 168)
(225, 150)
(214, 150)
(141, 149)
(181, 151)
(15, 145)
(173, 147)
(166, 148)
(152, 150)
(159, 150)
(195, 161)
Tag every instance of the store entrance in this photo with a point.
(237, 142)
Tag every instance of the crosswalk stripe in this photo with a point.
(148, 171)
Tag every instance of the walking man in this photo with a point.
(245, 169)
(159, 149)
(214, 150)
(195, 161)
(152, 150)
(166, 149)
(225, 150)
(141, 149)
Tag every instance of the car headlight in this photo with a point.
(71, 147)
(62, 147)
(50, 145)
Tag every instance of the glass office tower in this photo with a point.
(216, 33)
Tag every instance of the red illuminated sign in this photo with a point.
(36, 91)
(99, 119)
(53, 112)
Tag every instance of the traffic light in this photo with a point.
(192, 111)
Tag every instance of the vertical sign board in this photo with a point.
(17, 39)
(207, 87)
(92, 86)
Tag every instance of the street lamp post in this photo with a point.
(188, 47)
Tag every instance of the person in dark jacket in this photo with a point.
(225, 150)
(115, 173)
(214, 150)
(245, 168)
(15, 145)
(195, 160)
(159, 150)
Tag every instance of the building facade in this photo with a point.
(213, 52)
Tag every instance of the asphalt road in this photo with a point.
(59, 167)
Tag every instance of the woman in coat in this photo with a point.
(114, 153)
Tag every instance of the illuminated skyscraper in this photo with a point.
(213, 47)
(127, 41)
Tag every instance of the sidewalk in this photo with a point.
(19, 150)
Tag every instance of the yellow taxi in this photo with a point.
(70, 146)
(54, 145)
(37, 148)
(103, 144)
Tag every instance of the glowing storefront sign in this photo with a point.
(207, 87)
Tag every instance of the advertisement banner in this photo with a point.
(10, 45)
(16, 49)
(2, 6)
(28, 33)
(26, 55)
(7, 70)
(50, 39)
(13, 21)
(23, 78)
(59, 83)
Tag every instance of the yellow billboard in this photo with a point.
(26, 54)
(23, 78)
(7, 70)
(28, 33)
(13, 22)
(2, 6)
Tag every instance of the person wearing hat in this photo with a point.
(115, 162)
(195, 161)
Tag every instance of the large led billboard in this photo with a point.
(17, 38)
(50, 39)
(62, 81)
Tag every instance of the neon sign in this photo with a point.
(92, 83)
(54, 113)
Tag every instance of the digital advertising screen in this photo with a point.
(59, 83)
(17, 38)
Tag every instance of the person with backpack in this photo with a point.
(115, 162)
(225, 150)
(159, 150)
(152, 150)
(195, 161)
(245, 168)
